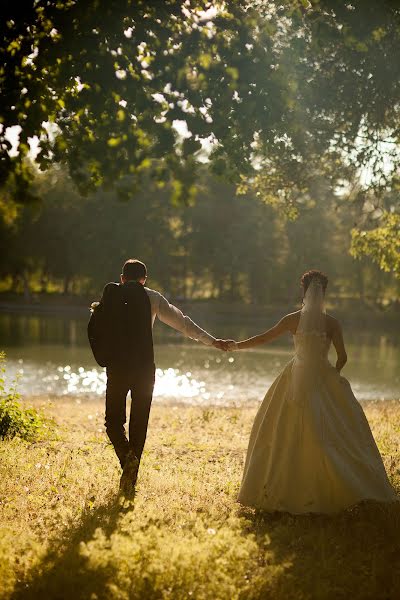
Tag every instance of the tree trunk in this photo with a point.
(44, 280)
(27, 291)
(67, 283)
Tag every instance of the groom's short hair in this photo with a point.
(134, 269)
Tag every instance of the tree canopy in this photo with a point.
(287, 98)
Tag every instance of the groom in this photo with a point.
(134, 308)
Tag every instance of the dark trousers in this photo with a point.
(119, 382)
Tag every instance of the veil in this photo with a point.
(312, 316)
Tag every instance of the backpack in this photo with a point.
(120, 327)
(98, 330)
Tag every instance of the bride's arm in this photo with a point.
(338, 342)
(263, 338)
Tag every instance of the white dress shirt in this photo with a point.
(172, 316)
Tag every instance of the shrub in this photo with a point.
(15, 420)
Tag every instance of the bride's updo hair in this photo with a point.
(308, 276)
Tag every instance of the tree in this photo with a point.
(224, 246)
(288, 93)
(381, 244)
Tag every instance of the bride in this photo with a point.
(311, 448)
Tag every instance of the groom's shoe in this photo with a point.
(129, 474)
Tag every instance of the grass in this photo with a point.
(65, 534)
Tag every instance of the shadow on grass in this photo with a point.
(353, 554)
(61, 573)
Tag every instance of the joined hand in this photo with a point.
(224, 345)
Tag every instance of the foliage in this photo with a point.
(381, 244)
(226, 246)
(15, 420)
(184, 536)
(300, 90)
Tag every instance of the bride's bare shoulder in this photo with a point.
(293, 316)
(292, 320)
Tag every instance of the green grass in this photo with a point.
(64, 534)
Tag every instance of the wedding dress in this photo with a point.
(311, 448)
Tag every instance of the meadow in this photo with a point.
(65, 532)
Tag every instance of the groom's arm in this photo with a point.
(172, 316)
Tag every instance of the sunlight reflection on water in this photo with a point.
(169, 383)
(193, 374)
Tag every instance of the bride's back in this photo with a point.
(313, 344)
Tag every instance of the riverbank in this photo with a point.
(64, 534)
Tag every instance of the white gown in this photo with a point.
(311, 448)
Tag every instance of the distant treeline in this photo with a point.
(225, 246)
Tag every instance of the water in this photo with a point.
(50, 355)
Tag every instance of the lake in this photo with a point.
(50, 355)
